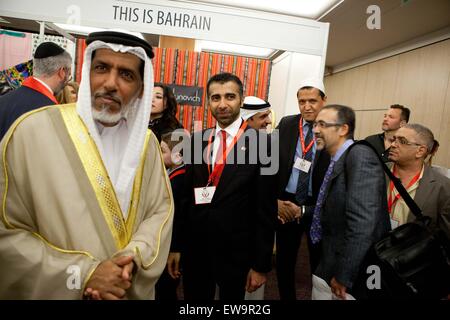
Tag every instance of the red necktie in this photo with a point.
(221, 152)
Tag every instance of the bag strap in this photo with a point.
(412, 205)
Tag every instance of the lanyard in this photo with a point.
(32, 83)
(215, 175)
(302, 139)
(391, 201)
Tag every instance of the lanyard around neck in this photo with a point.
(302, 139)
(392, 200)
(215, 175)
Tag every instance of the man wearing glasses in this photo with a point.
(351, 213)
(429, 189)
(51, 72)
(301, 172)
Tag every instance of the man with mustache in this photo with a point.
(430, 190)
(395, 117)
(87, 206)
(351, 212)
(256, 112)
(229, 203)
(302, 168)
(51, 71)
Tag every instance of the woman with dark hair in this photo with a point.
(164, 109)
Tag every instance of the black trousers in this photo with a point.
(288, 240)
(199, 281)
(166, 287)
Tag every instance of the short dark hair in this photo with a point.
(345, 115)
(225, 77)
(425, 135)
(405, 111)
(167, 139)
(322, 94)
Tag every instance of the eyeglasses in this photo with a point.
(322, 124)
(68, 73)
(404, 141)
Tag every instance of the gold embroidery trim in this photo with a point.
(134, 205)
(8, 224)
(137, 251)
(97, 174)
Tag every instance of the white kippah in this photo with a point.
(313, 82)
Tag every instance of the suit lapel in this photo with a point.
(228, 170)
(204, 166)
(339, 166)
(338, 169)
(316, 158)
(426, 187)
(292, 127)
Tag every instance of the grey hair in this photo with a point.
(425, 135)
(49, 66)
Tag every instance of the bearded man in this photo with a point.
(86, 203)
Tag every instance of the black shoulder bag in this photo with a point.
(414, 260)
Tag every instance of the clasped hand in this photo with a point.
(110, 279)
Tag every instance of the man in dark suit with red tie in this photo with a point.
(302, 169)
(51, 72)
(229, 202)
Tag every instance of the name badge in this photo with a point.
(204, 195)
(394, 224)
(302, 164)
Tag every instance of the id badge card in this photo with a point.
(302, 165)
(204, 195)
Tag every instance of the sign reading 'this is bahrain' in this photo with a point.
(162, 18)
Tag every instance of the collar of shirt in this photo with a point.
(342, 149)
(231, 131)
(104, 131)
(305, 124)
(44, 84)
(170, 170)
(413, 187)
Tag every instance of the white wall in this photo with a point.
(288, 71)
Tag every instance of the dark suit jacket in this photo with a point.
(433, 197)
(18, 102)
(177, 184)
(235, 232)
(354, 215)
(377, 141)
(288, 137)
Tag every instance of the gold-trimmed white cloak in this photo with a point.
(53, 225)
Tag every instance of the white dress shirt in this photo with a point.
(231, 131)
(114, 141)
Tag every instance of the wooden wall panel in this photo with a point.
(419, 79)
(443, 136)
(176, 43)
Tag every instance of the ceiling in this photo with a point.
(401, 21)
(349, 38)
